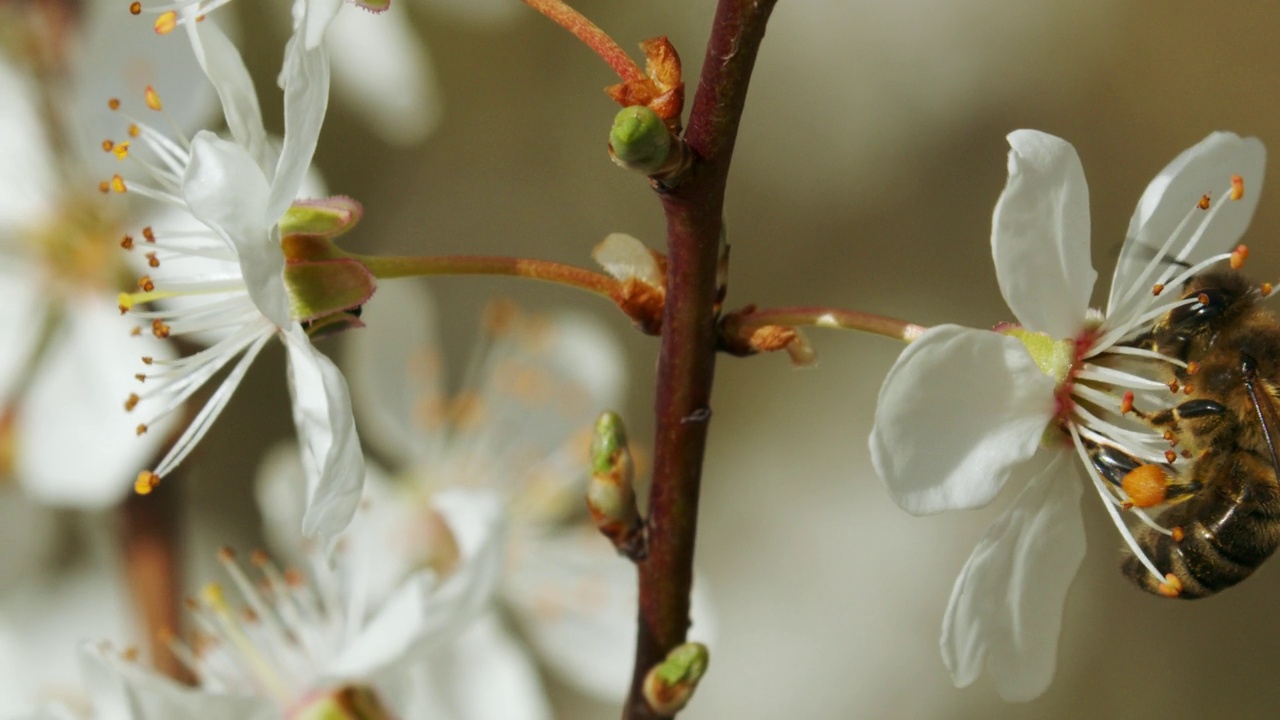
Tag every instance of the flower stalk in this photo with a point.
(746, 331)
(591, 35)
(686, 363)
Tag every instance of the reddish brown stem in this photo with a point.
(686, 364)
(591, 35)
(152, 557)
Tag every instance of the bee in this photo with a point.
(1223, 514)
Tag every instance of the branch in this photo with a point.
(686, 363)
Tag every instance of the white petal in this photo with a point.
(75, 443)
(426, 612)
(485, 675)
(958, 411)
(227, 191)
(1040, 235)
(319, 13)
(575, 599)
(624, 257)
(132, 692)
(1006, 607)
(305, 78)
(1205, 168)
(28, 177)
(26, 311)
(226, 70)
(327, 433)
(383, 72)
(396, 372)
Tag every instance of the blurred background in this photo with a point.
(871, 154)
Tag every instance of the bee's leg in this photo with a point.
(1189, 410)
(1112, 463)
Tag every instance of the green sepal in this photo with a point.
(685, 664)
(374, 6)
(324, 217)
(1053, 357)
(318, 289)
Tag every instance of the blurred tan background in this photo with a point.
(871, 155)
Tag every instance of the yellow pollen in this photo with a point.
(1238, 256)
(166, 23)
(146, 482)
(160, 330)
(145, 284)
(131, 402)
(1204, 202)
(107, 145)
(126, 242)
(1146, 485)
(141, 429)
(117, 184)
(121, 151)
(124, 302)
(134, 130)
(153, 98)
(114, 103)
(1237, 187)
(152, 260)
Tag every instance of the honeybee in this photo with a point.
(1223, 515)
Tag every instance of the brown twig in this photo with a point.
(686, 363)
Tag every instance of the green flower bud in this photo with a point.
(639, 140)
(670, 684)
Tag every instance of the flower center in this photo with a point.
(1053, 357)
(78, 247)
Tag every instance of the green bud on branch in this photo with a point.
(670, 684)
(611, 496)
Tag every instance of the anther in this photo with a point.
(1237, 187)
(1126, 403)
(1265, 289)
(1193, 367)
(1169, 437)
(166, 23)
(259, 558)
(145, 284)
(114, 103)
(1186, 454)
(135, 331)
(140, 377)
(226, 554)
(135, 8)
(1203, 299)
(141, 429)
(104, 187)
(148, 234)
(1238, 256)
(117, 184)
(160, 330)
(146, 482)
(1204, 202)
(131, 402)
(152, 260)
(1157, 288)
(1171, 587)
(147, 360)
(1171, 456)
(1177, 534)
(134, 130)
(153, 98)
(126, 242)
(1173, 386)
(121, 150)
(1187, 389)
(124, 302)
(107, 145)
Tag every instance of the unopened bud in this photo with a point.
(611, 496)
(639, 140)
(670, 684)
(353, 702)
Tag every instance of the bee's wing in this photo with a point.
(1264, 404)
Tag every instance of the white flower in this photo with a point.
(963, 411)
(520, 424)
(67, 358)
(228, 275)
(295, 645)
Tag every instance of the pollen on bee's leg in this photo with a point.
(1171, 587)
(1237, 187)
(146, 482)
(1146, 485)
(1238, 256)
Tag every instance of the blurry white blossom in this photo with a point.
(964, 411)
